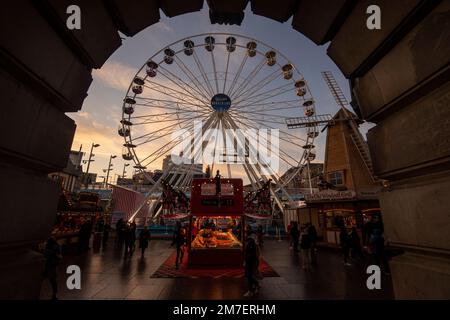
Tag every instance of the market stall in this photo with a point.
(216, 235)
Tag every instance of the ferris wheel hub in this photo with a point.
(221, 102)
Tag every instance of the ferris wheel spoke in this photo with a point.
(250, 166)
(287, 162)
(163, 120)
(203, 73)
(160, 152)
(226, 72)
(254, 113)
(257, 94)
(179, 99)
(248, 79)
(237, 75)
(170, 127)
(260, 84)
(171, 90)
(268, 108)
(201, 89)
(269, 119)
(267, 95)
(215, 71)
(173, 76)
(264, 106)
(179, 95)
(166, 114)
(282, 132)
(167, 104)
(251, 175)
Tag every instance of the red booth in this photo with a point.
(216, 234)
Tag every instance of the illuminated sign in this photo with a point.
(205, 201)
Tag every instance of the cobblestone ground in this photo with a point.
(107, 275)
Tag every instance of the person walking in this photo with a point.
(260, 235)
(144, 238)
(312, 232)
(379, 253)
(251, 264)
(179, 242)
(129, 239)
(120, 228)
(305, 246)
(295, 235)
(355, 244)
(345, 245)
(84, 236)
(106, 231)
(52, 254)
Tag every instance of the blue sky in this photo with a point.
(99, 118)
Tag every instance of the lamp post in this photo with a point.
(109, 169)
(124, 172)
(94, 145)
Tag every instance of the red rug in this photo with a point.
(167, 270)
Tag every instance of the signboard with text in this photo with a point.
(205, 200)
(331, 195)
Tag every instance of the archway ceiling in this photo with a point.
(61, 61)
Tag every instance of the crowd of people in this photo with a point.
(303, 239)
(306, 237)
(126, 237)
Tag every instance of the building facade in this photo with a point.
(348, 191)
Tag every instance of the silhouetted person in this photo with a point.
(345, 244)
(251, 266)
(120, 228)
(106, 231)
(312, 232)
(84, 236)
(305, 246)
(52, 254)
(355, 243)
(179, 242)
(218, 184)
(129, 238)
(260, 235)
(295, 235)
(144, 238)
(377, 242)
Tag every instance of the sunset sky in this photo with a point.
(99, 118)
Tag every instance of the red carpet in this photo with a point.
(167, 270)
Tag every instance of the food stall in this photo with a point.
(216, 235)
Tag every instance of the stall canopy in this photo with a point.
(127, 201)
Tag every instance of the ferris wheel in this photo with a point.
(228, 82)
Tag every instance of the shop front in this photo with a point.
(337, 209)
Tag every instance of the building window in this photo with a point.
(336, 178)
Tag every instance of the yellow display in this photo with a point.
(207, 239)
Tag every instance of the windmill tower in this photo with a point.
(352, 121)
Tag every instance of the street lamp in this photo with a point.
(109, 168)
(94, 145)
(124, 172)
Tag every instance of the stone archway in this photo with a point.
(399, 80)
